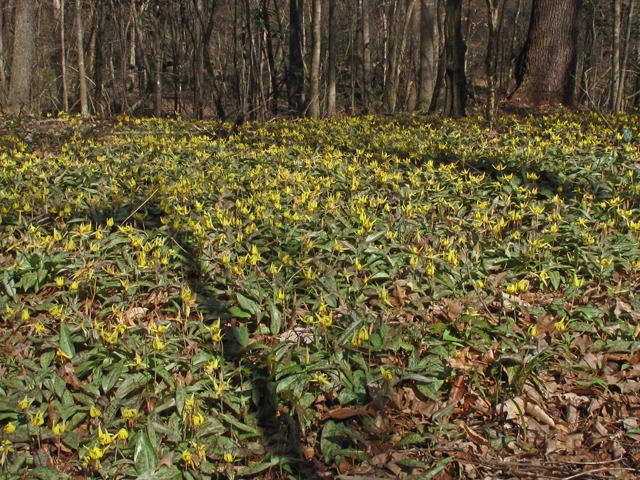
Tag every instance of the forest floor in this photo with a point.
(376, 297)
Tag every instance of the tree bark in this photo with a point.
(295, 82)
(316, 44)
(82, 74)
(270, 58)
(331, 67)
(366, 55)
(98, 61)
(590, 34)
(425, 82)
(455, 50)
(58, 13)
(490, 60)
(24, 45)
(625, 57)
(546, 66)
(198, 62)
(157, 87)
(615, 56)
(397, 54)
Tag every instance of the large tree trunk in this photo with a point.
(366, 55)
(546, 66)
(455, 50)
(425, 82)
(316, 44)
(24, 45)
(82, 74)
(490, 60)
(295, 81)
(331, 67)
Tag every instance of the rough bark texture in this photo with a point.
(426, 80)
(546, 67)
(455, 50)
(295, 82)
(316, 43)
(331, 75)
(24, 45)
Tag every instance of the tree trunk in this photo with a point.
(397, 54)
(615, 57)
(270, 58)
(425, 82)
(82, 74)
(512, 55)
(316, 44)
(198, 63)
(455, 50)
(331, 67)
(625, 58)
(437, 88)
(366, 55)
(3, 73)
(157, 110)
(589, 40)
(546, 66)
(98, 61)
(295, 82)
(490, 60)
(58, 13)
(24, 45)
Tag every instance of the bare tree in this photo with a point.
(331, 67)
(295, 80)
(490, 60)
(426, 79)
(82, 74)
(366, 55)
(546, 67)
(455, 50)
(615, 57)
(316, 44)
(625, 58)
(24, 45)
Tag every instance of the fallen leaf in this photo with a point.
(473, 436)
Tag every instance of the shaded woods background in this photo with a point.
(260, 59)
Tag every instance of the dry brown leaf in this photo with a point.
(465, 361)
(379, 460)
(458, 390)
(625, 307)
(494, 280)
(344, 413)
(166, 460)
(473, 436)
(453, 308)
